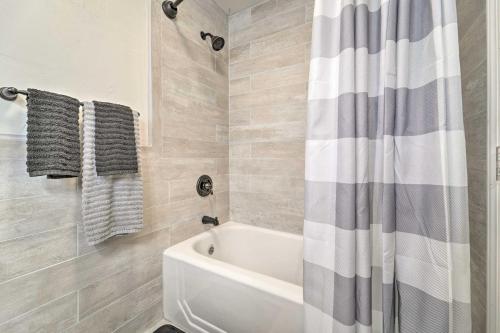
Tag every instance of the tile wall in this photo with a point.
(238, 115)
(473, 60)
(268, 70)
(50, 280)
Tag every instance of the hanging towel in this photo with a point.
(115, 143)
(111, 205)
(53, 139)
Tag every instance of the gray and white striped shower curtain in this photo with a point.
(386, 245)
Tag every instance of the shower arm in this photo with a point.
(205, 34)
(176, 3)
(170, 8)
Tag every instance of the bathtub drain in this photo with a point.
(211, 250)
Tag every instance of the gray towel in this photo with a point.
(53, 140)
(115, 145)
(111, 205)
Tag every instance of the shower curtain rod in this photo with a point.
(11, 94)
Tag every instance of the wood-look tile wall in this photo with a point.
(50, 280)
(268, 70)
(473, 60)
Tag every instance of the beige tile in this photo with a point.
(105, 291)
(178, 211)
(291, 56)
(176, 168)
(144, 321)
(180, 148)
(122, 310)
(473, 61)
(239, 117)
(309, 12)
(182, 189)
(222, 66)
(177, 63)
(271, 220)
(472, 45)
(29, 291)
(222, 206)
(178, 125)
(176, 103)
(239, 21)
(286, 4)
(258, 202)
(222, 134)
(175, 84)
(281, 77)
(263, 10)
(291, 188)
(24, 186)
(187, 229)
(240, 86)
(210, 13)
(28, 216)
(239, 53)
(279, 41)
(269, 26)
(221, 183)
(191, 49)
(291, 131)
(54, 317)
(222, 100)
(269, 97)
(240, 150)
(222, 166)
(295, 110)
(268, 167)
(27, 254)
(239, 183)
(155, 192)
(474, 90)
(266, 208)
(290, 149)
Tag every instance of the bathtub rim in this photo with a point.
(186, 253)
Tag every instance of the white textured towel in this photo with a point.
(111, 205)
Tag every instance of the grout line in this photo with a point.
(37, 308)
(139, 314)
(78, 257)
(69, 226)
(77, 306)
(119, 299)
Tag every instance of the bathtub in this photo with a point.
(235, 278)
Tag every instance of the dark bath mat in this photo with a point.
(168, 329)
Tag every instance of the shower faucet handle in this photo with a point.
(205, 186)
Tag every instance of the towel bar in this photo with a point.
(11, 93)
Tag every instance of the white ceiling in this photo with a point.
(232, 6)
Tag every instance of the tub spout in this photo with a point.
(210, 220)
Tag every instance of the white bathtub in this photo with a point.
(251, 283)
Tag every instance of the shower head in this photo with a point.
(217, 41)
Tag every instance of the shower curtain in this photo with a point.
(386, 245)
